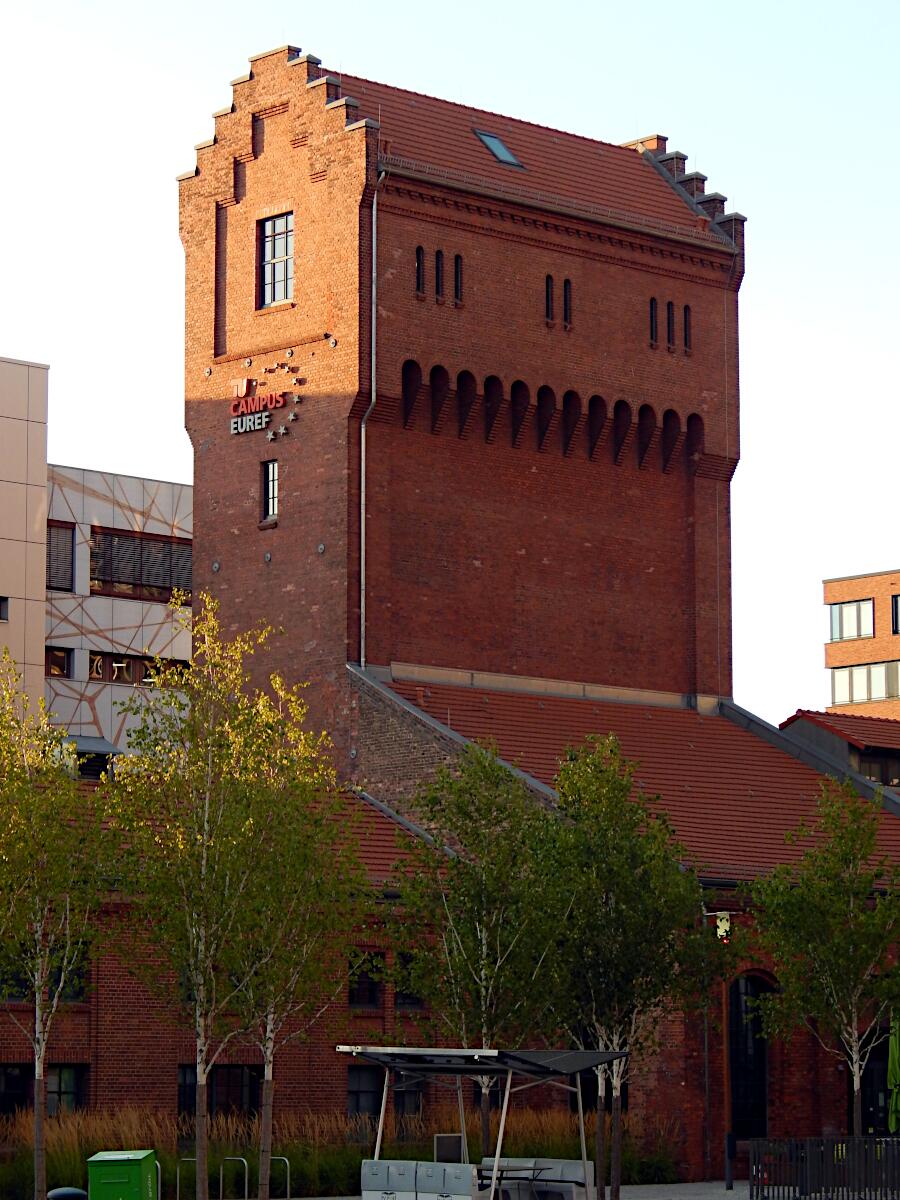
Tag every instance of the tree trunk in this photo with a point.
(615, 1173)
(40, 1152)
(600, 1137)
(201, 1137)
(265, 1132)
(485, 1121)
(856, 1070)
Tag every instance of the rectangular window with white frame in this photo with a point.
(871, 681)
(852, 619)
(276, 259)
(269, 488)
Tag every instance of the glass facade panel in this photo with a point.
(859, 683)
(849, 621)
(835, 611)
(878, 681)
(840, 686)
(866, 618)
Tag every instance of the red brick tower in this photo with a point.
(546, 464)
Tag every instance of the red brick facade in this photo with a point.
(547, 492)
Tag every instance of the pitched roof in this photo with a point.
(730, 795)
(880, 733)
(440, 137)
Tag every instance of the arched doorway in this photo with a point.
(748, 1058)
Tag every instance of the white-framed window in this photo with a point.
(871, 681)
(270, 489)
(852, 619)
(276, 259)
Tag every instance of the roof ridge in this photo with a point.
(818, 712)
(582, 137)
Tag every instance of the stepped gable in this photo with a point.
(440, 135)
(730, 795)
(882, 733)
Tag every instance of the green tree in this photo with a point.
(479, 912)
(635, 942)
(51, 877)
(829, 924)
(196, 801)
(302, 909)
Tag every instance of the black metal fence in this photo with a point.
(865, 1168)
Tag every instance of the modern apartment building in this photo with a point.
(863, 650)
(88, 563)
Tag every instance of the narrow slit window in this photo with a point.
(567, 302)
(548, 298)
(498, 148)
(270, 489)
(670, 323)
(688, 333)
(654, 321)
(457, 279)
(439, 273)
(420, 270)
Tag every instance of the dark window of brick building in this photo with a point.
(457, 279)
(276, 244)
(748, 1058)
(140, 566)
(366, 981)
(365, 1086)
(404, 996)
(420, 270)
(58, 662)
(66, 1089)
(548, 298)
(16, 1087)
(895, 614)
(654, 321)
(439, 273)
(4, 608)
(567, 302)
(60, 556)
(409, 1096)
(670, 324)
(232, 1088)
(269, 489)
(688, 332)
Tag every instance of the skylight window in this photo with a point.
(498, 148)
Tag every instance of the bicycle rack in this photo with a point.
(287, 1171)
(178, 1176)
(233, 1158)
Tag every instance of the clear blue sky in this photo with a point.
(791, 109)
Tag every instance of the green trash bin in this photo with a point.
(122, 1175)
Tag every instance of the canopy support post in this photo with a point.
(462, 1119)
(500, 1135)
(384, 1097)
(584, 1162)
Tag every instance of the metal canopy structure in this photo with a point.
(537, 1066)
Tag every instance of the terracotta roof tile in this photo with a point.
(881, 733)
(440, 135)
(730, 796)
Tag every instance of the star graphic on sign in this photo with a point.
(282, 429)
(270, 436)
(293, 416)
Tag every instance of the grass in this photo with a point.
(324, 1149)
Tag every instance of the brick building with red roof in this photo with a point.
(463, 396)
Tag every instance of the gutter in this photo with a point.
(362, 431)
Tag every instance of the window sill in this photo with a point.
(458, 304)
(281, 305)
(268, 523)
(550, 323)
(421, 296)
(858, 637)
(671, 349)
(439, 300)
(654, 345)
(688, 353)
(567, 326)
